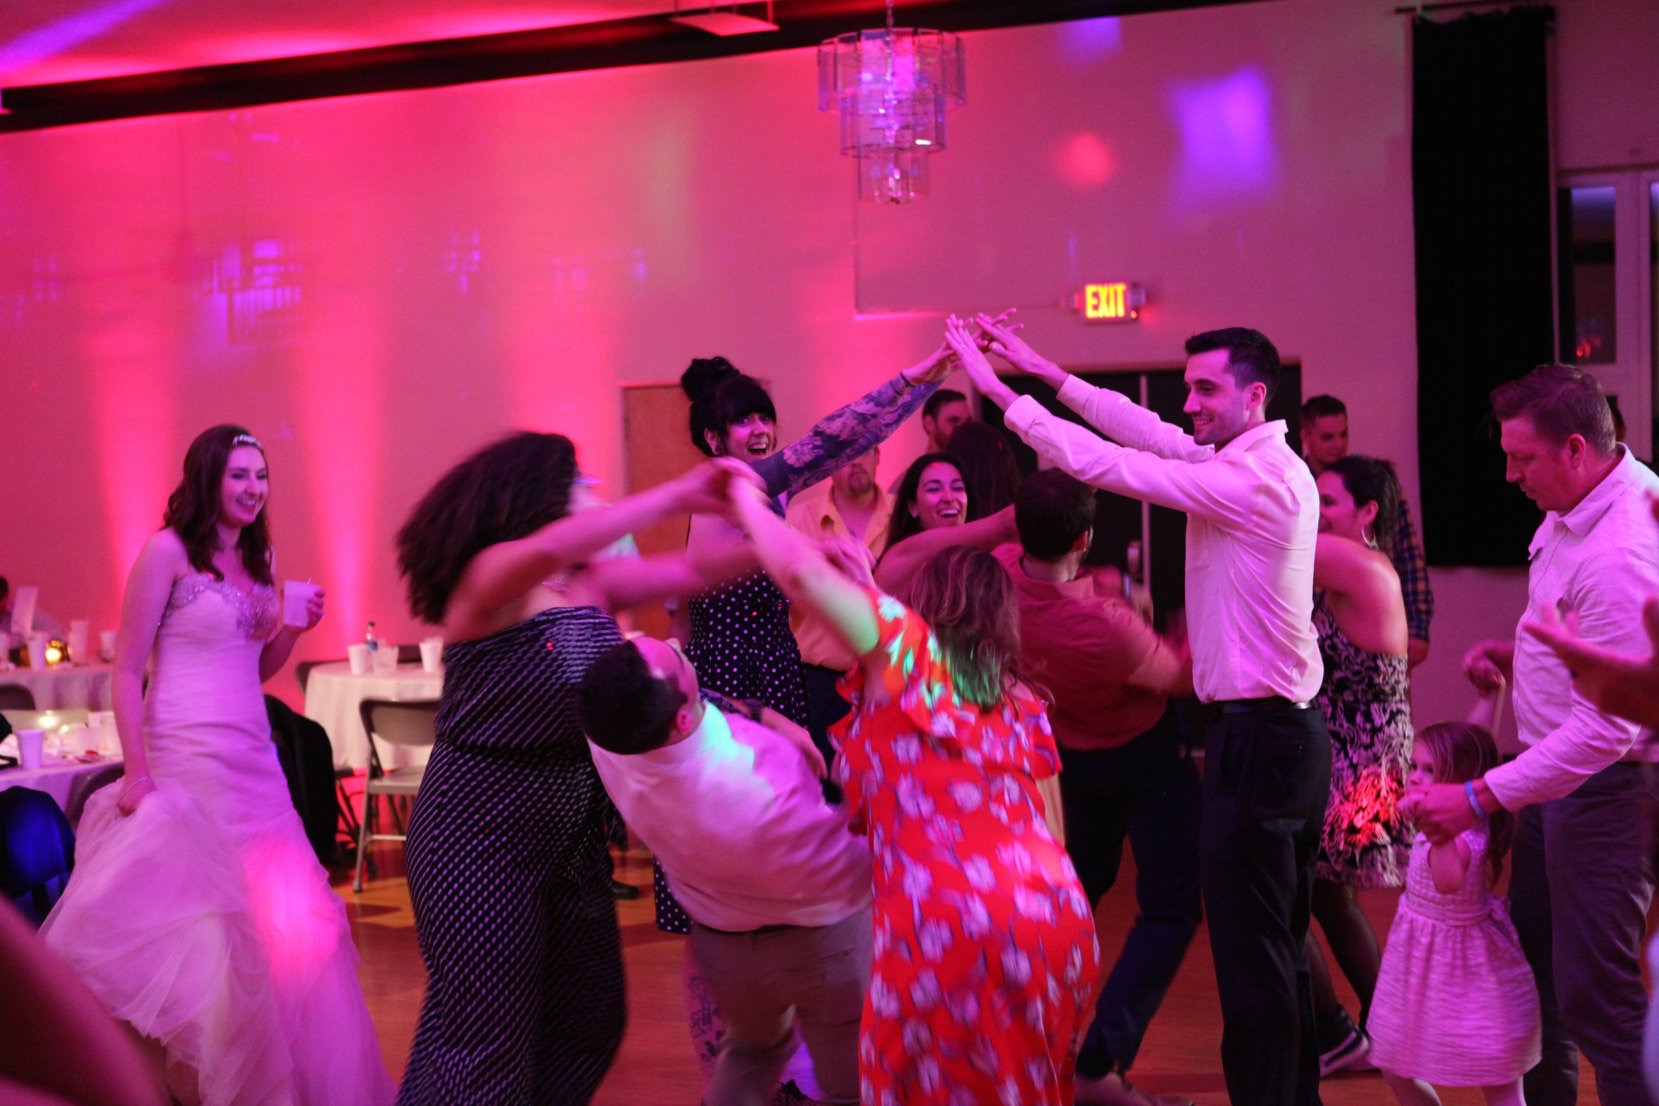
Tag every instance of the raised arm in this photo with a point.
(500, 576)
(1363, 592)
(1215, 491)
(799, 567)
(902, 561)
(623, 582)
(855, 429)
(1112, 413)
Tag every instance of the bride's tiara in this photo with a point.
(246, 439)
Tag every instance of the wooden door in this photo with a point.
(657, 444)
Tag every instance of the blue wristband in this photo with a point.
(1474, 803)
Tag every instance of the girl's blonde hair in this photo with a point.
(965, 597)
(1463, 751)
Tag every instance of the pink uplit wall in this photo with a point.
(377, 285)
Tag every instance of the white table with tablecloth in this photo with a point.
(72, 768)
(333, 694)
(65, 686)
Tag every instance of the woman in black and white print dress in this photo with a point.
(508, 873)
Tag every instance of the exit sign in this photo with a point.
(1111, 303)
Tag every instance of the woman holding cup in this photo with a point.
(198, 913)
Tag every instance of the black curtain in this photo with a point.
(1481, 195)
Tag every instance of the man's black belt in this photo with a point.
(1215, 710)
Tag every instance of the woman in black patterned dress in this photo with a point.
(740, 641)
(508, 869)
(1360, 617)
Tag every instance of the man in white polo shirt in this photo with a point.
(777, 887)
(1581, 881)
(1252, 515)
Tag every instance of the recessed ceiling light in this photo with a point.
(725, 23)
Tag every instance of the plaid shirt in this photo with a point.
(1407, 556)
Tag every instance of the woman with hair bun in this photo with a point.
(740, 641)
(739, 638)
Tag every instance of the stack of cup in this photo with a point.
(79, 631)
(296, 597)
(432, 654)
(31, 744)
(101, 732)
(358, 656)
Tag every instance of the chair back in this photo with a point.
(37, 851)
(409, 722)
(16, 697)
(408, 654)
(302, 671)
(307, 760)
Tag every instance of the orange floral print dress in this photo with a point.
(985, 953)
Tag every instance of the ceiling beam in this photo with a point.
(643, 40)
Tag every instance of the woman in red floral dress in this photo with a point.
(985, 952)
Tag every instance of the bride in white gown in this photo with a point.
(197, 912)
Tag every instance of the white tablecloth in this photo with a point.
(67, 779)
(86, 686)
(332, 695)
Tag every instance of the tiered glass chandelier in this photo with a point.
(892, 87)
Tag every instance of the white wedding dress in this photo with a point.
(204, 920)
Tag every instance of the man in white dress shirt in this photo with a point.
(777, 887)
(1252, 515)
(1581, 881)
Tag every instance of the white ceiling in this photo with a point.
(51, 41)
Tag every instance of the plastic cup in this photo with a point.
(358, 657)
(30, 747)
(106, 644)
(432, 653)
(385, 660)
(101, 724)
(37, 654)
(79, 631)
(296, 595)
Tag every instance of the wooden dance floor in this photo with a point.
(656, 1066)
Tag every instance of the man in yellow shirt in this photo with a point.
(850, 504)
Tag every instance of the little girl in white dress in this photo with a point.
(1455, 1003)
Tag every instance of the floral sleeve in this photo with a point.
(912, 680)
(1045, 754)
(840, 436)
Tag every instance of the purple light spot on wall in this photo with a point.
(1091, 39)
(1226, 126)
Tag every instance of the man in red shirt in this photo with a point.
(1125, 768)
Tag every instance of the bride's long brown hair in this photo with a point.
(966, 598)
(193, 508)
